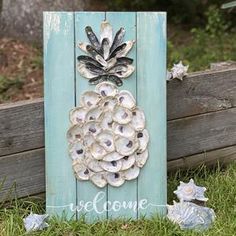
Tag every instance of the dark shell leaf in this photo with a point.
(94, 69)
(118, 68)
(105, 48)
(118, 50)
(125, 60)
(97, 80)
(118, 39)
(92, 37)
(96, 55)
(115, 79)
(87, 59)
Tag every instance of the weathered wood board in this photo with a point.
(29, 111)
(63, 88)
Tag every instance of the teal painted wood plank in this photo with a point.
(128, 191)
(59, 99)
(151, 94)
(86, 191)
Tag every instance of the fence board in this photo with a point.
(201, 92)
(200, 133)
(223, 156)
(21, 127)
(23, 172)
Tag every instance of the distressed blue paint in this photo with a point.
(128, 191)
(63, 87)
(151, 93)
(86, 191)
(59, 99)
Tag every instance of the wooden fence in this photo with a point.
(201, 129)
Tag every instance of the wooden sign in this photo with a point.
(64, 85)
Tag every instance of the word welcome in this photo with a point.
(105, 206)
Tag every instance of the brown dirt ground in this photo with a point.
(21, 71)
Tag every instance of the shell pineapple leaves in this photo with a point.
(106, 58)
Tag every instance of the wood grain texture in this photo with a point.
(223, 156)
(201, 133)
(27, 131)
(128, 191)
(31, 164)
(21, 126)
(86, 190)
(22, 174)
(151, 96)
(201, 93)
(59, 100)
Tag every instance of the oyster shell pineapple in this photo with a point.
(108, 142)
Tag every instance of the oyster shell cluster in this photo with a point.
(107, 138)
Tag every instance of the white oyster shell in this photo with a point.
(115, 179)
(98, 179)
(112, 166)
(77, 115)
(108, 142)
(97, 151)
(141, 158)
(126, 99)
(75, 133)
(123, 130)
(126, 146)
(90, 99)
(106, 89)
(122, 115)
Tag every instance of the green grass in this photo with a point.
(222, 198)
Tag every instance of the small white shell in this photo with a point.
(93, 114)
(108, 103)
(105, 139)
(115, 179)
(90, 99)
(97, 151)
(98, 179)
(75, 134)
(112, 166)
(88, 140)
(126, 146)
(131, 173)
(77, 115)
(141, 158)
(122, 115)
(113, 156)
(126, 99)
(127, 162)
(92, 127)
(81, 171)
(123, 130)
(77, 151)
(94, 165)
(143, 138)
(107, 121)
(106, 89)
(138, 121)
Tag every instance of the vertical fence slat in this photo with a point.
(59, 99)
(128, 191)
(86, 191)
(151, 94)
